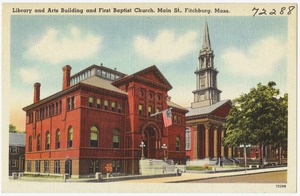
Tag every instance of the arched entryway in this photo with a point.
(151, 138)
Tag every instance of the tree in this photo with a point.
(279, 132)
(256, 118)
(12, 128)
(237, 130)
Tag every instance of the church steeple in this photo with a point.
(206, 92)
(206, 39)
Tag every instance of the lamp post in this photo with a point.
(142, 146)
(164, 147)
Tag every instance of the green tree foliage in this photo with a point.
(259, 117)
(12, 128)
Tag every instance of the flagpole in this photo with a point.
(157, 113)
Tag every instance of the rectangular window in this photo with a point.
(29, 166)
(179, 119)
(37, 166)
(56, 108)
(60, 107)
(56, 167)
(149, 110)
(13, 163)
(46, 166)
(105, 105)
(116, 166)
(41, 113)
(13, 150)
(119, 107)
(187, 139)
(30, 143)
(50, 110)
(202, 82)
(91, 102)
(68, 104)
(27, 118)
(175, 118)
(98, 103)
(116, 138)
(37, 115)
(47, 113)
(91, 167)
(73, 103)
(177, 144)
(157, 110)
(140, 109)
(113, 106)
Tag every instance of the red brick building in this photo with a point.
(101, 116)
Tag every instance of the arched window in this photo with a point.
(177, 143)
(30, 143)
(57, 142)
(47, 146)
(70, 137)
(187, 139)
(38, 143)
(116, 138)
(94, 136)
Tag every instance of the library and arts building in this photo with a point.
(100, 117)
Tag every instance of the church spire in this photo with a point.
(207, 92)
(206, 39)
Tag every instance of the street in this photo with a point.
(270, 177)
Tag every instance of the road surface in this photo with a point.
(270, 177)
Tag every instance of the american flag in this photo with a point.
(167, 115)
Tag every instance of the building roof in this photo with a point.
(158, 81)
(102, 83)
(17, 139)
(174, 105)
(205, 110)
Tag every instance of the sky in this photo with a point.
(248, 50)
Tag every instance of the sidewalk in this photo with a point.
(185, 177)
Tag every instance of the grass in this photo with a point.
(198, 168)
(42, 176)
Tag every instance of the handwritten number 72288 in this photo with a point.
(281, 11)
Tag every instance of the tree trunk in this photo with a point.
(280, 154)
(245, 157)
(262, 155)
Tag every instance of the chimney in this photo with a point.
(36, 96)
(66, 77)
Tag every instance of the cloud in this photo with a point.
(259, 58)
(29, 75)
(167, 46)
(57, 46)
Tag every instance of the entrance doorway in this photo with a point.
(68, 167)
(152, 143)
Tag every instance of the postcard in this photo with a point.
(149, 97)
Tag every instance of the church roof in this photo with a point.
(17, 139)
(101, 83)
(205, 110)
